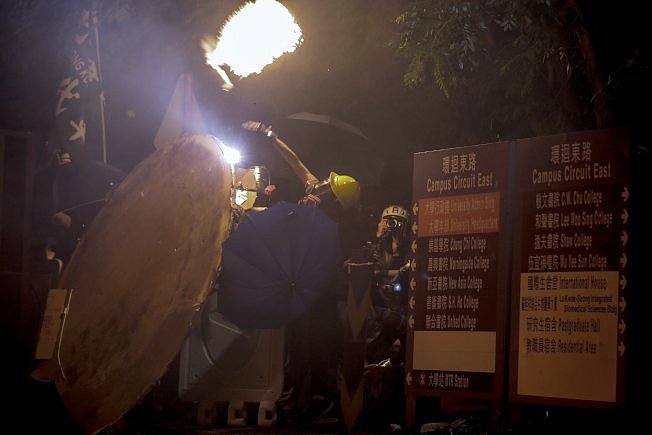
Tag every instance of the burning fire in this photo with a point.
(252, 38)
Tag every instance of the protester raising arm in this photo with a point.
(341, 189)
(301, 171)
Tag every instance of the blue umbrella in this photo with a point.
(276, 264)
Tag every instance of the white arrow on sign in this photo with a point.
(411, 321)
(623, 260)
(413, 284)
(625, 194)
(622, 326)
(408, 378)
(622, 304)
(414, 246)
(624, 216)
(414, 227)
(624, 238)
(621, 348)
(415, 209)
(412, 302)
(413, 265)
(623, 282)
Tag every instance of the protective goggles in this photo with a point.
(393, 223)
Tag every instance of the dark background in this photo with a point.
(344, 68)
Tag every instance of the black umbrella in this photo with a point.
(71, 195)
(326, 143)
(276, 264)
(83, 183)
(327, 119)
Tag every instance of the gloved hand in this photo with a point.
(270, 189)
(310, 199)
(259, 127)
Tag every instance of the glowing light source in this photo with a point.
(231, 155)
(252, 38)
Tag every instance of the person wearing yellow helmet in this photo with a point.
(313, 340)
(344, 189)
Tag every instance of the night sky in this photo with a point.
(344, 69)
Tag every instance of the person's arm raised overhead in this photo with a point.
(299, 168)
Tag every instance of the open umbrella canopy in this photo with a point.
(84, 183)
(324, 144)
(276, 264)
(327, 144)
(327, 119)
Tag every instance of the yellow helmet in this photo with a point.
(346, 189)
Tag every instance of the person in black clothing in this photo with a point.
(314, 340)
(389, 297)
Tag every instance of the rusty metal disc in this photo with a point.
(139, 274)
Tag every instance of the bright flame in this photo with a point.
(253, 37)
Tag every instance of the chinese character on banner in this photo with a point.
(77, 109)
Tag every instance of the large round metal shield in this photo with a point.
(139, 274)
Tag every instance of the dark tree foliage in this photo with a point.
(526, 66)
